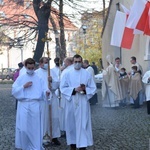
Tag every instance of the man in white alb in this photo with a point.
(29, 89)
(77, 86)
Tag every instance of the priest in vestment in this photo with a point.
(146, 80)
(111, 88)
(29, 89)
(77, 86)
(135, 86)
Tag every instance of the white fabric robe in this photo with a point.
(78, 115)
(145, 80)
(55, 74)
(28, 118)
(45, 124)
(63, 102)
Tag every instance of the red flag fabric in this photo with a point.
(143, 19)
(143, 23)
(127, 38)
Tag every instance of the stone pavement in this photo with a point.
(113, 129)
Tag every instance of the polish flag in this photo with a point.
(122, 36)
(135, 13)
(143, 23)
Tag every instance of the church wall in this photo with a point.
(139, 44)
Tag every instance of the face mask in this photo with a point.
(121, 72)
(57, 64)
(77, 66)
(45, 66)
(30, 72)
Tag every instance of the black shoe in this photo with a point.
(83, 148)
(55, 141)
(73, 147)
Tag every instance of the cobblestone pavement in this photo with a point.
(113, 129)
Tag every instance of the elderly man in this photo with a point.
(111, 88)
(29, 89)
(77, 86)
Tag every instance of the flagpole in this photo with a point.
(120, 49)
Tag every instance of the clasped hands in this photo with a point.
(80, 88)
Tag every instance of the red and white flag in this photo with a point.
(144, 20)
(135, 13)
(122, 36)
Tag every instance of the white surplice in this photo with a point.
(55, 74)
(45, 124)
(78, 115)
(28, 118)
(145, 80)
(63, 102)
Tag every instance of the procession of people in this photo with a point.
(57, 100)
(51, 101)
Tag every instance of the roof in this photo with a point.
(10, 10)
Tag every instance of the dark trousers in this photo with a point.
(16, 104)
(137, 102)
(148, 107)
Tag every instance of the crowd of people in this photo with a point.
(120, 88)
(54, 100)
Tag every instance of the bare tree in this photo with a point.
(42, 11)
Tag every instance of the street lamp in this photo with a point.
(57, 35)
(84, 27)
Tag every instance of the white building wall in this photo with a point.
(139, 47)
(27, 49)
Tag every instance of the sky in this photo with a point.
(80, 7)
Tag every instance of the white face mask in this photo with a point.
(77, 66)
(30, 72)
(121, 72)
(45, 66)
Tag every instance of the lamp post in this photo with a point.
(57, 44)
(84, 27)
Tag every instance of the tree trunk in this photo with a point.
(42, 12)
(62, 34)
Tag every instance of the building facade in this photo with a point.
(140, 47)
(12, 55)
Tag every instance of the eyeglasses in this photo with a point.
(77, 61)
